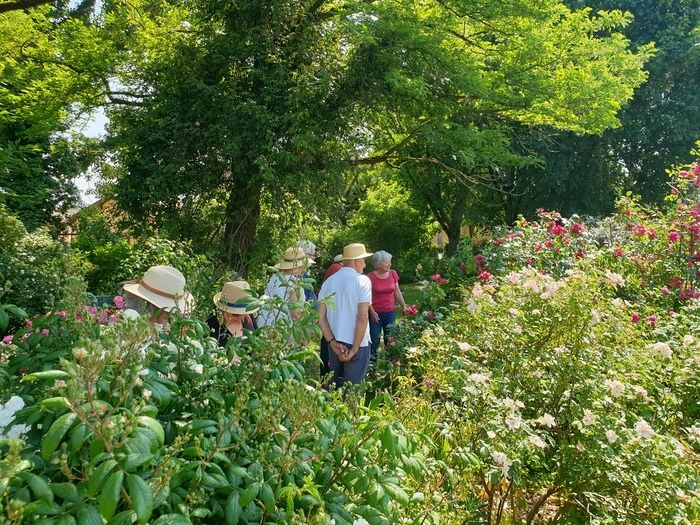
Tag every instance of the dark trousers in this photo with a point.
(354, 371)
(325, 366)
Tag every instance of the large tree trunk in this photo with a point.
(242, 214)
(453, 228)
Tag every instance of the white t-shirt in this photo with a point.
(283, 286)
(348, 289)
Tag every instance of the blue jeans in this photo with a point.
(386, 323)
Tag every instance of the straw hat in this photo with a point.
(294, 258)
(355, 250)
(234, 298)
(163, 287)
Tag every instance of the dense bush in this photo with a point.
(387, 220)
(37, 272)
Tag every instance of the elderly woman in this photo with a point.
(385, 294)
(233, 315)
(161, 290)
(285, 284)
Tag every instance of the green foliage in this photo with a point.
(387, 220)
(172, 432)
(37, 272)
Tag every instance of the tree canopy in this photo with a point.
(284, 98)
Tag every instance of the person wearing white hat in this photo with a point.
(233, 312)
(286, 285)
(163, 289)
(345, 324)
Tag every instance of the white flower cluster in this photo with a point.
(532, 281)
(614, 279)
(615, 387)
(663, 349)
(501, 461)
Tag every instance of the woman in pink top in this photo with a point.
(385, 294)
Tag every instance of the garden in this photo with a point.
(527, 165)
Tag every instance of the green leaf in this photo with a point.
(55, 434)
(54, 403)
(232, 511)
(397, 493)
(267, 496)
(141, 497)
(4, 320)
(172, 519)
(46, 374)
(39, 487)
(154, 426)
(66, 519)
(136, 460)
(109, 497)
(98, 476)
(249, 494)
(66, 491)
(89, 515)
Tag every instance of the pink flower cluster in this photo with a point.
(411, 310)
(437, 278)
(484, 276)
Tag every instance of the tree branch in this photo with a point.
(383, 157)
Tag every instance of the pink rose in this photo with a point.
(665, 290)
(651, 320)
(576, 228)
(45, 332)
(674, 236)
(8, 339)
(119, 301)
(484, 276)
(635, 318)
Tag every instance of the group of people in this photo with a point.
(354, 309)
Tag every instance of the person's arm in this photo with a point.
(294, 313)
(373, 316)
(399, 297)
(327, 333)
(360, 329)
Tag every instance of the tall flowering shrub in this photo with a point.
(556, 407)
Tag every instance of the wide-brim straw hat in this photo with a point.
(235, 298)
(163, 287)
(355, 250)
(294, 258)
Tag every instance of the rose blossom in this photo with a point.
(588, 418)
(8, 339)
(119, 301)
(663, 349)
(538, 442)
(616, 388)
(513, 421)
(643, 429)
(547, 420)
(611, 436)
(674, 236)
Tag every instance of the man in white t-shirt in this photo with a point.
(345, 323)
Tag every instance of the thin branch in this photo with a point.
(383, 157)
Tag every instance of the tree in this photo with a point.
(46, 78)
(279, 98)
(580, 174)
